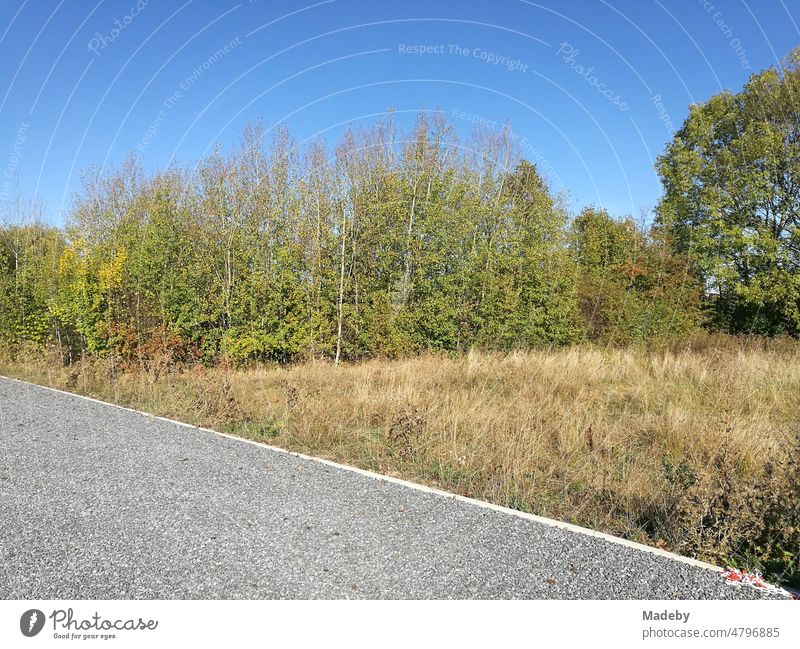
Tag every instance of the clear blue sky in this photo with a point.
(75, 92)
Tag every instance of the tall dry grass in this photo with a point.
(693, 448)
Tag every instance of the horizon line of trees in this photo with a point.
(397, 243)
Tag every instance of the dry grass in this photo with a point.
(692, 448)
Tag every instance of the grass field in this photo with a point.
(693, 448)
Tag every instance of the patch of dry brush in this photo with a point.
(693, 448)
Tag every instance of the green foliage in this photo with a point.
(394, 244)
(28, 259)
(273, 254)
(633, 286)
(731, 201)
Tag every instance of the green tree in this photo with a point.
(731, 200)
(632, 285)
(29, 255)
(530, 282)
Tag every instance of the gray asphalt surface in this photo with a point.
(97, 502)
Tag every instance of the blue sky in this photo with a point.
(590, 87)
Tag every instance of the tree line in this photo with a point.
(393, 243)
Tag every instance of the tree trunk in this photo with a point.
(341, 290)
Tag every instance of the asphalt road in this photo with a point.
(97, 502)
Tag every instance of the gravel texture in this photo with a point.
(98, 502)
